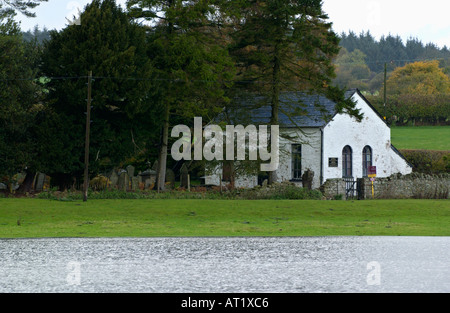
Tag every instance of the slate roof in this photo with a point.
(297, 109)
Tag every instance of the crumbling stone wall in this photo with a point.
(412, 186)
(334, 189)
(397, 186)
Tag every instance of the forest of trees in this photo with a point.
(190, 59)
(362, 59)
(417, 77)
(193, 59)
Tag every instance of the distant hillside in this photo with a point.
(362, 59)
(39, 35)
(393, 50)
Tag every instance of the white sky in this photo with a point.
(429, 21)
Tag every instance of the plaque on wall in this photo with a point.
(333, 162)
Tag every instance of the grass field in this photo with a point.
(421, 138)
(26, 217)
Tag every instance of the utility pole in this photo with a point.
(385, 75)
(86, 148)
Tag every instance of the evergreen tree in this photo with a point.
(18, 100)
(191, 66)
(351, 69)
(389, 50)
(284, 46)
(123, 113)
(414, 49)
(38, 35)
(9, 7)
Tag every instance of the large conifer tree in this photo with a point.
(18, 96)
(284, 45)
(115, 50)
(191, 66)
(10, 7)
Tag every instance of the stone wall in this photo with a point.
(397, 186)
(412, 186)
(334, 189)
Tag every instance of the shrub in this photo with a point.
(281, 191)
(277, 191)
(414, 109)
(428, 161)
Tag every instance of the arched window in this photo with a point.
(296, 162)
(347, 162)
(367, 160)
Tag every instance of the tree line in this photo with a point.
(407, 81)
(155, 64)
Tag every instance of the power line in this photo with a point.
(381, 62)
(392, 61)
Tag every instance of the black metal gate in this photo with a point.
(351, 188)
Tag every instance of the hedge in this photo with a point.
(410, 109)
(428, 161)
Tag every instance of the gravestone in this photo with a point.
(40, 182)
(46, 183)
(134, 183)
(307, 179)
(170, 179)
(147, 178)
(184, 176)
(149, 183)
(124, 181)
(114, 179)
(130, 171)
(265, 183)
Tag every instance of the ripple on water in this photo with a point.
(261, 264)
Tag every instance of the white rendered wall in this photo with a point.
(343, 130)
(309, 138)
(248, 181)
(399, 165)
(372, 131)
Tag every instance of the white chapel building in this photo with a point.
(329, 144)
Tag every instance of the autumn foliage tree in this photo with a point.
(418, 93)
(419, 78)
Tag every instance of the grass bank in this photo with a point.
(421, 137)
(27, 217)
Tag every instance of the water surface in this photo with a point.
(212, 265)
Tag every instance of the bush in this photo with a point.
(281, 191)
(428, 161)
(413, 109)
(277, 191)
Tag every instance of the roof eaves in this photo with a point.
(371, 106)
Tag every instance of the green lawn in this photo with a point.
(26, 217)
(421, 138)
